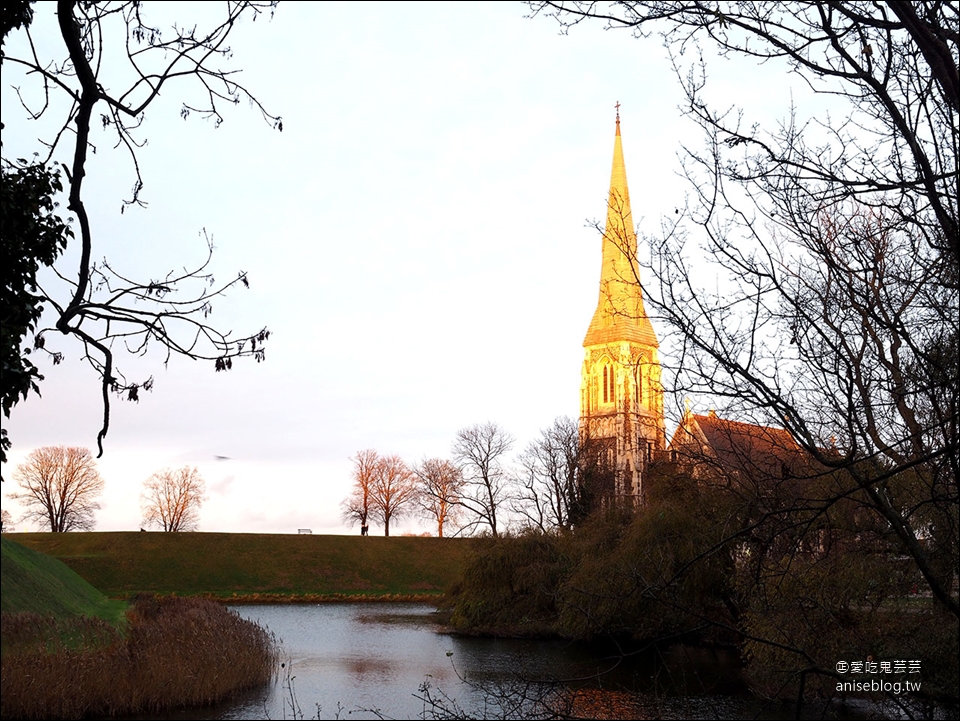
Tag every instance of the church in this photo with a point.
(621, 397)
(622, 429)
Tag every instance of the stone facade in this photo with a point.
(621, 397)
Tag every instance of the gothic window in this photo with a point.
(604, 382)
(641, 387)
(609, 378)
(638, 385)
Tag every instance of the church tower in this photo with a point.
(621, 399)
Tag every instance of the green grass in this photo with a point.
(36, 583)
(245, 566)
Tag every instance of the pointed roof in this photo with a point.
(756, 451)
(620, 314)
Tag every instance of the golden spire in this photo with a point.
(620, 315)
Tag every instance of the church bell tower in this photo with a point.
(621, 398)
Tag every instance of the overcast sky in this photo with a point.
(417, 240)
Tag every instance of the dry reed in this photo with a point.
(175, 652)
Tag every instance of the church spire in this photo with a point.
(620, 315)
(621, 398)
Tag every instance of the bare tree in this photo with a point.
(479, 451)
(171, 499)
(357, 506)
(835, 313)
(393, 492)
(837, 245)
(6, 521)
(97, 304)
(552, 494)
(440, 486)
(59, 486)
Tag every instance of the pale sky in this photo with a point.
(417, 240)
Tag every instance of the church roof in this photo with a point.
(620, 315)
(757, 451)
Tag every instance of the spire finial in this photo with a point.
(617, 106)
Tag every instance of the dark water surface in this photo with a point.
(379, 660)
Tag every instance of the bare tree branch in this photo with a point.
(105, 306)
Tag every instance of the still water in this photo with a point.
(374, 661)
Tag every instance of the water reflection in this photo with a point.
(368, 659)
(373, 661)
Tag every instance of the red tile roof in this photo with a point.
(734, 446)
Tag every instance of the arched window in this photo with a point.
(642, 383)
(609, 378)
(637, 386)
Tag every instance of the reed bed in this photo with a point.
(173, 652)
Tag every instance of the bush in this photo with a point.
(627, 574)
(509, 587)
(660, 575)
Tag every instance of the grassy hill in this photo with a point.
(40, 584)
(245, 566)
(67, 651)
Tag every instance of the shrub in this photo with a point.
(509, 587)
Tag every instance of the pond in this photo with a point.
(393, 660)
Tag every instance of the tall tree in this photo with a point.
(33, 234)
(440, 484)
(393, 492)
(551, 492)
(836, 305)
(836, 245)
(357, 506)
(479, 450)
(171, 499)
(59, 486)
(97, 305)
